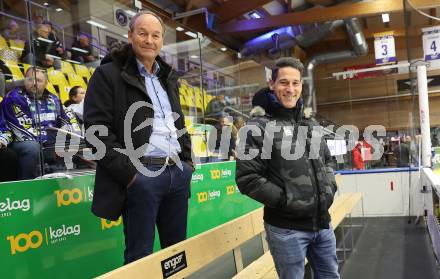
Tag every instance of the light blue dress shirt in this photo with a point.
(163, 140)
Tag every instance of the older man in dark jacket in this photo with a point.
(134, 96)
(296, 189)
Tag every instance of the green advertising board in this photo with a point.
(48, 231)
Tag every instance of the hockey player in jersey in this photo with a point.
(28, 112)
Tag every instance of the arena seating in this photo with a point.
(71, 74)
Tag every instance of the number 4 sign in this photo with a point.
(431, 43)
(384, 48)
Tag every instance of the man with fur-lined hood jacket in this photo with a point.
(290, 174)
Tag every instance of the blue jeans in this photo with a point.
(161, 201)
(29, 164)
(289, 248)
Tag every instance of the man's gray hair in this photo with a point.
(287, 62)
(146, 12)
(42, 25)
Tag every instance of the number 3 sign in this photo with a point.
(384, 48)
(431, 43)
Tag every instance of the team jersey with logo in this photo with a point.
(19, 120)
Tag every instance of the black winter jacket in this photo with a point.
(114, 86)
(296, 192)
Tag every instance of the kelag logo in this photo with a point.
(173, 264)
(205, 196)
(22, 242)
(202, 197)
(8, 206)
(226, 173)
(61, 233)
(33, 240)
(67, 197)
(197, 177)
(107, 224)
(217, 174)
(230, 190)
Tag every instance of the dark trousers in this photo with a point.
(8, 165)
(29, 159)
(161, 201)
(29, 163)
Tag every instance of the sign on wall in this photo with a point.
(431, 43)
(122, 16)
(337, 147)
(384, 48)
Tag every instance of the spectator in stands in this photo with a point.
(12, 31)
(216, 107)
(224, 149)
(82, 50)
(137, 73)
(356, 154)
(388, 152)
(435, 136)
(413, 157)
(402, 152)
(42, 46)
(296, 193)
(20, 110)
(382, 161)
(76, 95)
(76, 104)
(57, 47)
(239, 122)
(38, 19)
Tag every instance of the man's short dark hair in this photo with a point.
(146, 12)
(73, 91)
(287, 62)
